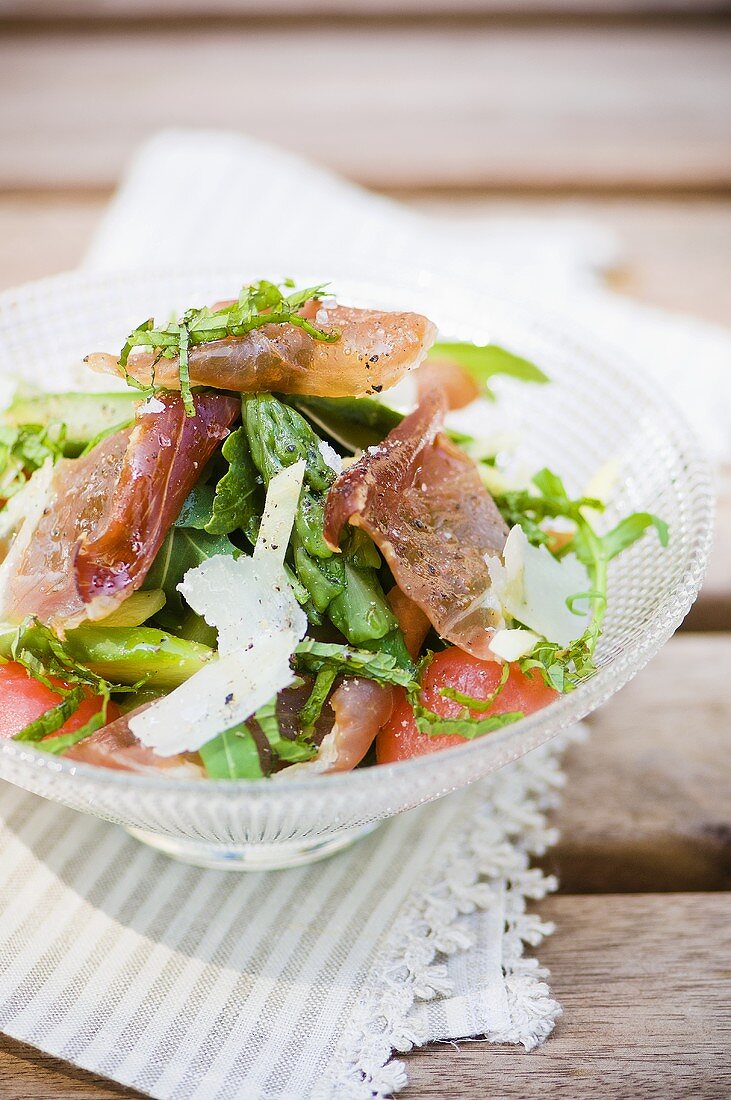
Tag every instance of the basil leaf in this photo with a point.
(468, 728)
(484, 362)
(381, 667)
(287, 749)
(53, 718)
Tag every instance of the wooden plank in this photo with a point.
(712, 609)
(646, 804)
(357, 9)
(27, 1074)
(450, 105)
(644, 987)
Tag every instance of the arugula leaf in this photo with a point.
(239, 498)
(562, 668)
(529, 508)
(184, 548)
(355, 423)
(624, 535)
(232, 755)
(344, 586)
(486, 361)
(197, 508)
(381, 667)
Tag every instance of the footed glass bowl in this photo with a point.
(597, 411)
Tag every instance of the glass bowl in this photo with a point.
(598, 409)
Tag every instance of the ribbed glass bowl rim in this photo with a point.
(563, 712)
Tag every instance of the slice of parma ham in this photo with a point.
(115, 746)
(423, 503)
(106, 514)
(374, 351)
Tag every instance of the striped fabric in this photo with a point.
(187, 983)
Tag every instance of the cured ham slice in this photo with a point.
(423, 503)
(106, 514)
(361, 708)
(116, 747)
(374, 351)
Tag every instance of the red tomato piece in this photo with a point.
(400, 738)
(23, 699)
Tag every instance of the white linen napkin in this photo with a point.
(301, 984)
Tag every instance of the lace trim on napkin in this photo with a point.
(485, 866)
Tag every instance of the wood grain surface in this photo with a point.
(142, 10)
(643, 982)
(646, 805)
(401, 105)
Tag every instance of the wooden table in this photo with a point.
(616, 107)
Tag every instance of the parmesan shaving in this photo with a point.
(511, 645)
(331, 456)
(279, 511)
(225, 692)
(243, 598)
(533, 588)
(250, 602)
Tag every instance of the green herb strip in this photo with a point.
(54, 718)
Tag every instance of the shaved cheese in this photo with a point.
(279, 511)
(533, 588)
(225, 692)
(243, 598)
(601, 485)
(331, 456)
(511, 645)
(250, 602)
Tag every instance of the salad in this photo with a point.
(279, 551)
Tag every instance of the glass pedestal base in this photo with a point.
(250, 857)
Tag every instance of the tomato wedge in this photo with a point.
(400, 738)
(23, 699)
